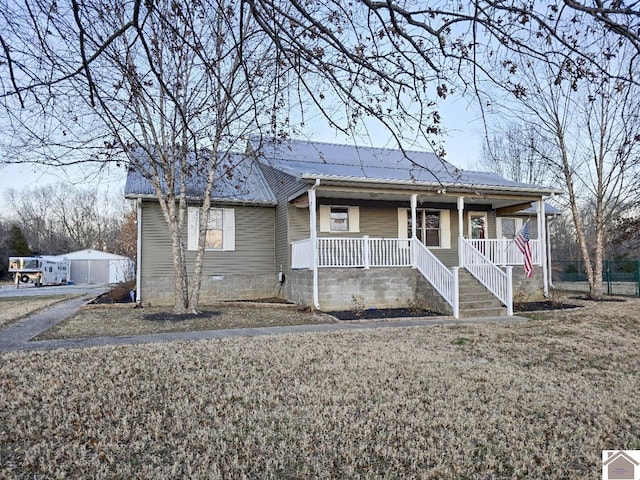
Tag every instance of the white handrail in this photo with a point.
(445, 281)
(497, 281)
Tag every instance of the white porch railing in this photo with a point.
(505, 252)
(445, 281)
(497, 281)
(353, 252)
(302, 254)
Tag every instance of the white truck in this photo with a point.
(39, 270)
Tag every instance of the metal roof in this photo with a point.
(307, 160)
(238, 179)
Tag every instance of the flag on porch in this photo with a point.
(522, 241)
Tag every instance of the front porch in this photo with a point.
(490, 261)
(436, 234)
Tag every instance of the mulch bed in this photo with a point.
(382, 313)
(172, 317)
(545, 305)
(277, 300)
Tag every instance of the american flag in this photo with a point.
(522, 241)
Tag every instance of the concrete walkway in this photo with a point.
(17, 337)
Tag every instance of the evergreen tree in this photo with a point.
(17, 243)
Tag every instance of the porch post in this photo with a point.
(314, 242)
(414, 204)
(455, 292)
(509, 272)
(460, 230)
(542, 245)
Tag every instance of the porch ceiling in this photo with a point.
(425, 197)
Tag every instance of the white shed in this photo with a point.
(95, 266)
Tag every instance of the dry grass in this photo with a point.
(539, 399)
(13, 309)
(117, 320)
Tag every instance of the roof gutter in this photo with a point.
(226, 201)
(460, 186)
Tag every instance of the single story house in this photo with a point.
(338, 227)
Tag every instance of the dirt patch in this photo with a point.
(382, 313)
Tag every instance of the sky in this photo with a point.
(463, 144)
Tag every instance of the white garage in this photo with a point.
(98, 267)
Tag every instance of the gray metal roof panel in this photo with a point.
(238, 179)
(304, 159)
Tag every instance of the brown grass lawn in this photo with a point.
(116, 320)
(13, 309)
(537, 399)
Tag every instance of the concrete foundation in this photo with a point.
(160, 291)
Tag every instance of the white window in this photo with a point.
(213, 238)
(427, 227)
(432, 226)
(220, 233)
(339, 219)
(508, 227)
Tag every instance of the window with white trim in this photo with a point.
(213, 237)
(428, 227)
(339, 219)
(220, 234)
(433, 227)
(508, 227)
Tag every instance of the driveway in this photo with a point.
(30, 290)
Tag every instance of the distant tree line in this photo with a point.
(58, 219)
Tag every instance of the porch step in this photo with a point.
(476, 300)
(483, 312)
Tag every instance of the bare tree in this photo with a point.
(513, 152)
(185, 82)
(60, 218)
(590, 132)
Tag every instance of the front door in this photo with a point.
(478, 226)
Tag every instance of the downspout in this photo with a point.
(138, 248)
(314, 242)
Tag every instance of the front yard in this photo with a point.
(538, 399)
(13, 309)
(118, 320)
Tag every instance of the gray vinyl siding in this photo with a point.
(284, 186)
(377, 221)
(298, 223)
(254, 249)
